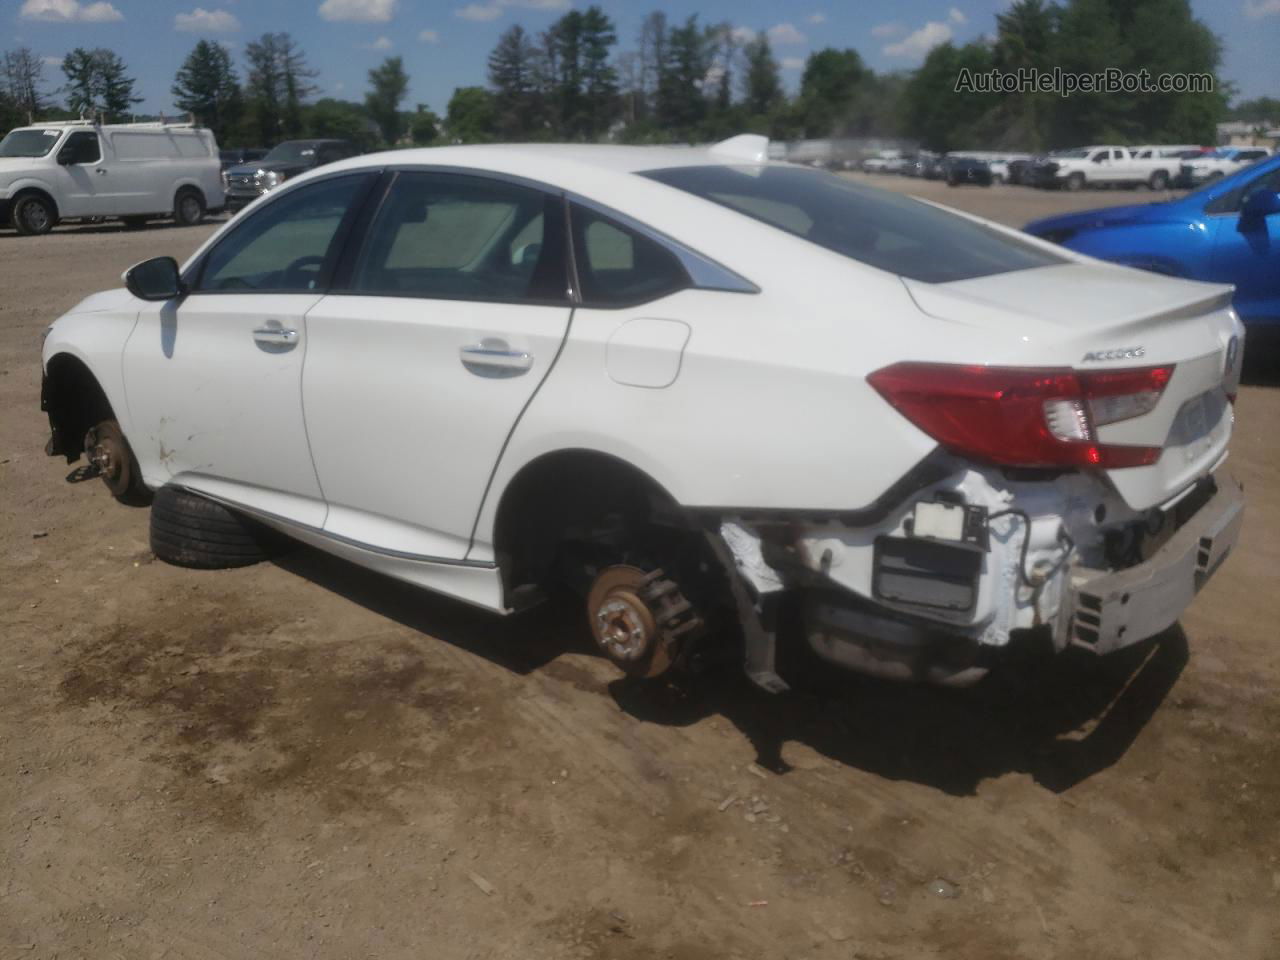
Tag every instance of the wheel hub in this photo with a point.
(639, 619)
(104, 455)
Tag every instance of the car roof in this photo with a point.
(615, 159)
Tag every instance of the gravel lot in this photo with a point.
(301, 760)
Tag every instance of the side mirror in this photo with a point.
(154, 279)
(1260, 204)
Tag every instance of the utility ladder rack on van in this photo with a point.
(141, 124)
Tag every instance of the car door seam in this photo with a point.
(502, 451)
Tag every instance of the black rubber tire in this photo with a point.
(188, 207)
(25, 212)
(1159, 180)
(188, 530)
(1075, 182)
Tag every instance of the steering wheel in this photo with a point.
(292, 274)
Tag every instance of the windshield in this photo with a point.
(885, 230)
(291, 152)
(28, 143)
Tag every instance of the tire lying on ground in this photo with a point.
(188, 530)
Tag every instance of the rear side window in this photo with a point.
(618, 266)
(454, 237)
(885, 230)
(288, 245)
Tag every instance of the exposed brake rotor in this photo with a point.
(640, 620)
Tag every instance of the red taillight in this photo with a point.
(1023, 416)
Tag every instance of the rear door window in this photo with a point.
(456, 237)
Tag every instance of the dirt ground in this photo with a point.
(300, 760)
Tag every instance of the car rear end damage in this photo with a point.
(1081, 505)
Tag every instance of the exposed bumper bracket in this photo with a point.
(1114, 610)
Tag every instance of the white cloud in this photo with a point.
(818, 17)
(493, 9)
(479, 12)
(956, 15)
(743, 34)
(785, 33)
(793, 63)
(201, 20)
(382, 43)
(429, 36)
(69, 11)
(916, 44)
(361, 11)
(1256, 9)
(885, 30)
(51, 61)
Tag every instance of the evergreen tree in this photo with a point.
(278, 83)
(762, 82)
(97, 82)
(682, 106)
(390, 84)
(513, 74)
(207, 87)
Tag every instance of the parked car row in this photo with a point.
(81, 170)
(1157, 166)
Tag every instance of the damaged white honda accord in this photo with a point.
(697, 386)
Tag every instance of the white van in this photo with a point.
(77, 170)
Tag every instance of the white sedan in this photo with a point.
(690, 384)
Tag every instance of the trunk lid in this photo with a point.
(1096, 317)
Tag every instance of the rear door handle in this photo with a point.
(275, 335)
(493, 357)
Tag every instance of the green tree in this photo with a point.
(940, 117)
(472, 116)
(390, 84)
(424, 126)
(278, 85)
(207, 87)
(579, 80)
(762, 83)
(1261, 110)
(1024, 41)
(513, 74)
(682, 105)
(828, 89)
(97, 82)
(342, 120)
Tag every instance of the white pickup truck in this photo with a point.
(1220, 163)
(1153, 166)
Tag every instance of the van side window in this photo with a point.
(83, 147)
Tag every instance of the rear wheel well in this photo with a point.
(74, 401)
(574, 496)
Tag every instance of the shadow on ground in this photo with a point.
(1060, 720)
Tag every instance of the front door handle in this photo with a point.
(493, 357)
(274, 335)
(101, 172)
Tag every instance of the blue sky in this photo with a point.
(444, 44)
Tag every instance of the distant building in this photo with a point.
(1243, 133)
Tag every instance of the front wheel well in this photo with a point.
(75, 401)
(34, 192)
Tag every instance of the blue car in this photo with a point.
(1226, 232)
